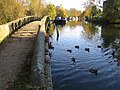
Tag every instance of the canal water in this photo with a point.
(85, 57)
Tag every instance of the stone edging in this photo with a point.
(41, 70)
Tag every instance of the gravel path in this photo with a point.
(13, 53)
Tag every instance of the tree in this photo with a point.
(88, 11)
(50, 10)
(111, 10)
(60, 11)
(35, 7)
(74, 12)
(93, 10)
(10, 10)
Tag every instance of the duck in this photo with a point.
(51, 46)
(77, 47)
(99, 46)
(93, 70)
(87, 49)
(73, 59)
(69, 50)
(50, 54)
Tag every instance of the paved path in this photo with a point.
(14, 52)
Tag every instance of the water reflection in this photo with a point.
(57, 34)
(90, 30)
(109, 35)
(73, 24)
(92, 62)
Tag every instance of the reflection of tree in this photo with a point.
(116, 47)
(90, 30)
(73, 24)
(60, 27)
(57, 34)
(109, 35)
(51, 28)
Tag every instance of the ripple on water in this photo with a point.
(69, 75)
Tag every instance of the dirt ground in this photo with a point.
(13, 53)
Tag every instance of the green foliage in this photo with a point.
(35, 8)
(92, 12)
(10, 10)
(95, 12)
(60, 11)
(88, 11)
(74, 12)
(111, 10)
(51, 11)
(13, 9)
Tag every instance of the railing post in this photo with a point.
(15, 26)
(12, 26)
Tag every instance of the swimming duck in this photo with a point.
(50, 54)
(73, 59)
(99, 46)
(87, 49)
(51, 46)
(69, 50)
(77, 47)
(93, 70)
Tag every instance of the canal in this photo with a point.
(85, 57)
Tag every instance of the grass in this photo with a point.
(7, 39)
(2, 41)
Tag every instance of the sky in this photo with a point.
(77, 4)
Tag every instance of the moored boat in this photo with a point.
(60, 21)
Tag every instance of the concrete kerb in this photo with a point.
(38, 63)
(41, 70)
